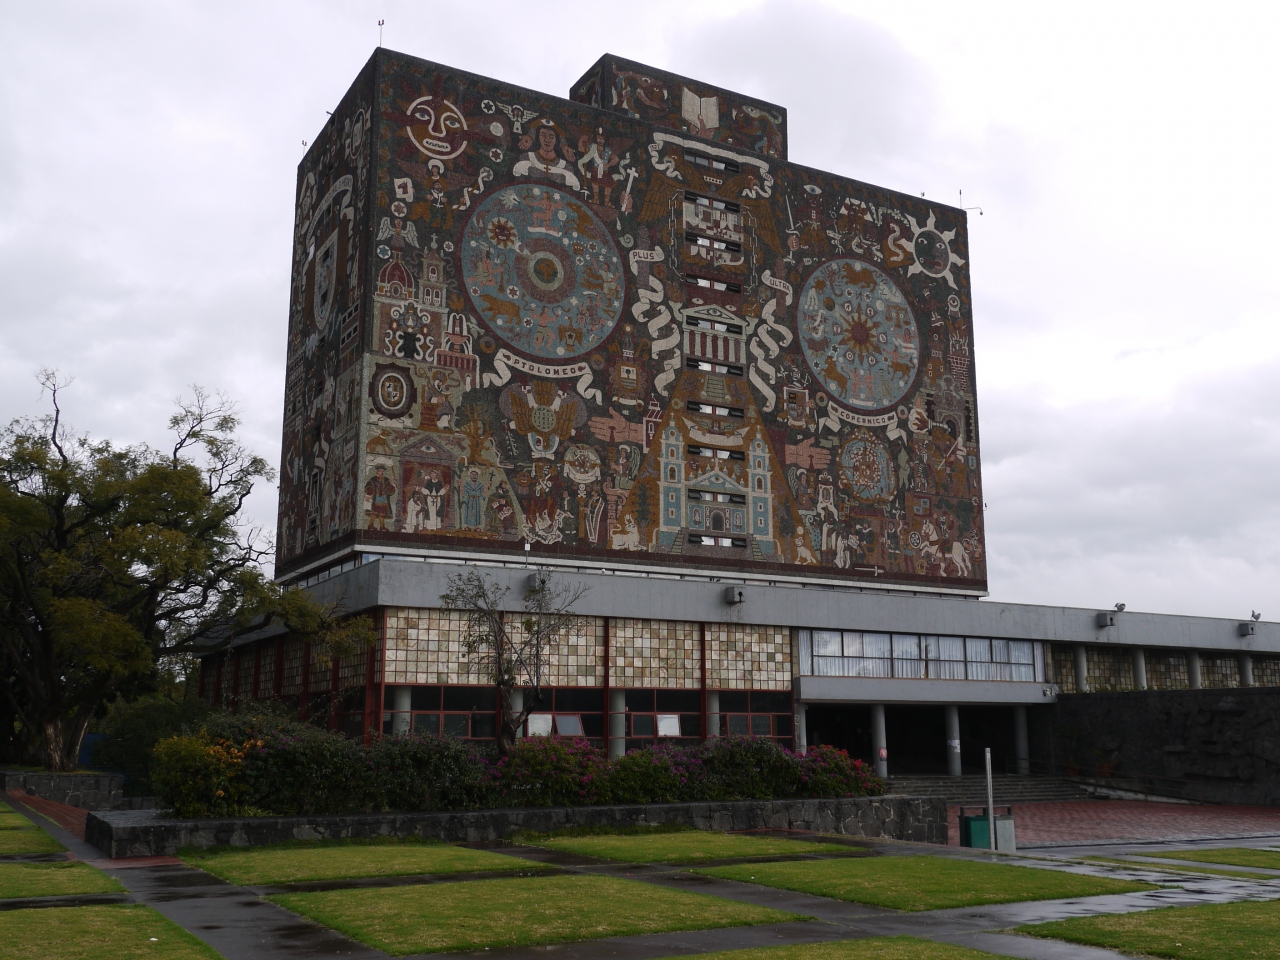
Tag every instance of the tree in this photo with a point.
(116, 560)
(512, 649)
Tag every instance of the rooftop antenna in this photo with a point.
(963, 207)
(380, 23)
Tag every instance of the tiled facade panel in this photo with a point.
(654, 653)
(744, 657)
(1167, 671)
(266, 672)
(244, 684)
(1063, 668)
(291, 684)
(577, 660)
(353, 669)
(1266, 671)
(425, 646)
(1110, 669)
(1219, 672)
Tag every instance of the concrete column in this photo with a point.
(953, 739)
(617, 723)
(1139, 669)
(402, 702)
(1021, 742)
(713, 713)
(879, 742)
(517, 704)
(1082, 669)
(1246, 670)
(1193, 669)
(802, 733)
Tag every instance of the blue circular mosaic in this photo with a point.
(867, 467)
(542, 271)
(858, 334)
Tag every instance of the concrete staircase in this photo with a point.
(973, 789)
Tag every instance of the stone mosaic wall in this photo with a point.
(624, 332)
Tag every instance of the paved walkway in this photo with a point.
(239, 924)
(1054, 823)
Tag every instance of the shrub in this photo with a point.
(745, 768)
(552, 771)
(646, 776)
(304, 770)
(202, 778)
(829, 772)
(431, 773)
(131, 731)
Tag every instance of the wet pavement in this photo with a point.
(239, 924)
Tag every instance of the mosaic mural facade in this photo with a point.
(623, 329)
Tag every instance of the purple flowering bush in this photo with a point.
(831, 772)
(552, 772)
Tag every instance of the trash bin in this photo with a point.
(975, 831)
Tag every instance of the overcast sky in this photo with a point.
(1124, 268)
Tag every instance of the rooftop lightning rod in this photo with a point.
(963, 207)
(380, 23)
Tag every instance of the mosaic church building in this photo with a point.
(624, 338)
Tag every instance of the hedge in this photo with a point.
(257, 764)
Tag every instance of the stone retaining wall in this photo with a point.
(142, 833)
(90, 791)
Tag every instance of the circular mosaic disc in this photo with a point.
(867, 467)
(542, 271)
(858, 334)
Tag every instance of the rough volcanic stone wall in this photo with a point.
(1216, 745)
(89, 791)
(143, 833)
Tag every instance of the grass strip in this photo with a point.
(301, 861)
(923, 883)
(1175, 869)
(873, 948)
(30, 840)
(53, 880)
(125, 932)
(1217, 931)
(1232, 856)
(686, 847)
(477, 914)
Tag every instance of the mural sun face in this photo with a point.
(932, 250)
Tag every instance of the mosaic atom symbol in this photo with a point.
(868, 468)
(542, 271)
(858, 334)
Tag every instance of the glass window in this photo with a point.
(426, 698)
(484, 724)
(642, 725)
(569, 725)
(457, 724)
(426, 723)
(680, 701)
(1022, 651)
(733, 701)
(944, 648)
(1000, 651)
(826, 643)
(766, 701)
(852, 643)
(539, 724)
(871, 667)
(908, 669)
(782, 724)
(876, 645)
(690, 724)
(739, 725)
(668, 724)
(906, 646)
(760, 725)
(977, 650)
(639, 701)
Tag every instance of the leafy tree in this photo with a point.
(513, 650)
(114, 560)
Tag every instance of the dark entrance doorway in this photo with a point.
(916, 739)
(846, 726)
(982, 727)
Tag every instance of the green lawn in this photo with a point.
(26, 837)
(1174, 868)
(686, 847)
(300, 861)
(477, 914)
(96, 933)
(875, 948)
(1218, 931)
(923, 883)
(1236, 856)
(53, 880)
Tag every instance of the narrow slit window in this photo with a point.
(693, 406)
(722, 286)
(719, 326)
(708, 366)
(712, 202)
(712, 163)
